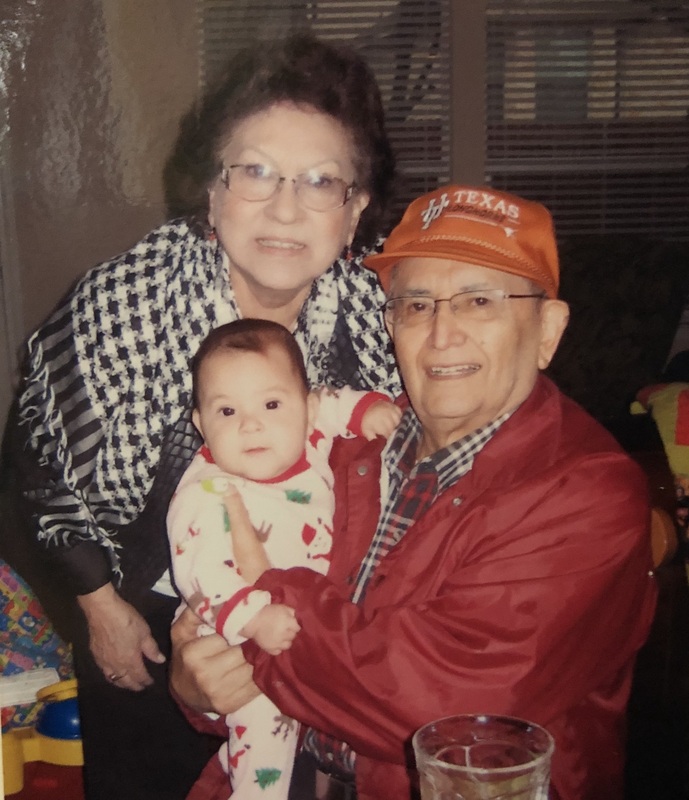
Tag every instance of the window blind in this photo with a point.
(587, 101)
(406, 43)
(587, 110)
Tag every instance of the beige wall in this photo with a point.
(93, 115)
(93, 91)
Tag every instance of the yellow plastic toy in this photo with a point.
(668, 404)
(56, 738)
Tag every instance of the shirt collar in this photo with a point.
(449, 463)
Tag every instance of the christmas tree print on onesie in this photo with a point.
(297, 496)
(267, 777)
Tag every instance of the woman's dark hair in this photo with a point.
(303, 70)
(250, 336)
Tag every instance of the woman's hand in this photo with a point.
(249, 553)
(206, 673)
(120, 639)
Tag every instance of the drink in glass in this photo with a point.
(483, 757)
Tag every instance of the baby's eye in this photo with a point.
(271, 405)
(226, 411)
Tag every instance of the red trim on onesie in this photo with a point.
(362, 407)
(301, 465)
(228, 607)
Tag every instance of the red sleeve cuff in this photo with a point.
(354, 425)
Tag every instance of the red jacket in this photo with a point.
(526, 589)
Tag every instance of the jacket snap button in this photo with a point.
(456, 501)
(362, 470)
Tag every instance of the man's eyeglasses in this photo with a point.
(481, 305)
(316, 191)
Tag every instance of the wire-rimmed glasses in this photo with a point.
(479, 305)
(315, 190)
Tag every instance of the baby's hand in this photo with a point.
(273, 628)
(380, 419)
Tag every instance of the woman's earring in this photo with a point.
(211, 235)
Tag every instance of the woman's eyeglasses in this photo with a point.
(315, 190)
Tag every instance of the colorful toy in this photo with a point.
(28, 643)
(668, 403)
(55, 739)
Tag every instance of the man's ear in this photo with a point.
(554, 319)
(313, 402)
(196, 419)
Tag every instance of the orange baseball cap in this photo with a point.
(478, 225)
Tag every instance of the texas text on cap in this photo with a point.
(477, 225)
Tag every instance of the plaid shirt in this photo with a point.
(410, 490)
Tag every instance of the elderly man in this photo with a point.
(491, 557)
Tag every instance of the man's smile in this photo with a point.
(453, 370)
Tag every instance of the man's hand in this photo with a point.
(380, 419)
(273, 628)
(206, 673)
(120, 639)
(249, 553)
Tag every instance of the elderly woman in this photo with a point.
(295, 166)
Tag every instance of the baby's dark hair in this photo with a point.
(303, 70)
(249, 336)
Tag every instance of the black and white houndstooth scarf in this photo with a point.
(109, 373)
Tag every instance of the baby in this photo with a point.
(267, 435)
